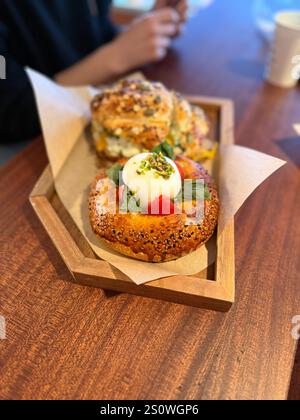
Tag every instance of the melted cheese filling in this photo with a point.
(118, 146)
(114, 146)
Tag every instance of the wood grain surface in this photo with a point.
(71, 342)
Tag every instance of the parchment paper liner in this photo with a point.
(65, 114)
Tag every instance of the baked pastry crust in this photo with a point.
(146, 237)
(137, 110)
(137, 115)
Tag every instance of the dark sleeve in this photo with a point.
(18, 112)
(110, 29)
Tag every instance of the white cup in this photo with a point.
(284, 67)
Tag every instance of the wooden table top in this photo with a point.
(70, 342)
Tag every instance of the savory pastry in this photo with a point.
(131, 117)
(134, 116)
(153, 208)
(189, 131)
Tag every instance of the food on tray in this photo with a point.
(154, 208)
(134, 116)
(152, 175)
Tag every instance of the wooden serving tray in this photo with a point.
(213, 288)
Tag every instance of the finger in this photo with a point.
(161, 53)
(174, 3)
(159, 4)
(180, 30)
(182, 10)
(163, 42)
(167, 15)
(160, 48)
(167, 29)
(182, 3)
(184, 16)
(182, 7)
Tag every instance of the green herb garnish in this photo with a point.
(165, 149)
(145, 87)
(149, 112)
(158, 163)
(190, 138)
(114, 173)
(130, 204)
(193, 191)
(158, 100)
(176, 136)
(207, 194)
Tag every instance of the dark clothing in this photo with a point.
(49, 36)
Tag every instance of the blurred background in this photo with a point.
(145, 5)
(263, 12)
(134, 4)
(122, 13)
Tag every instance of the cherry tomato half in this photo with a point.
(180, 169)
(121, 191)
(161, 206)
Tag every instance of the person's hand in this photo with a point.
(146, 40)
(181, 6)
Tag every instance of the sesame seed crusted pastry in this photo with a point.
(147, 237)
(133, 116)
(136, 114)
